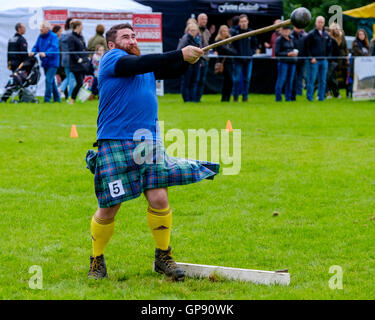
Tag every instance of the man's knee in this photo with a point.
(157, 198)
(108, 213)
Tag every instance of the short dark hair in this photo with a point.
(244, 16)
(111, 34)
(67, 23)
(56, 28)
(18, 26)
(235, 20)
(100, 29)
(75, 23)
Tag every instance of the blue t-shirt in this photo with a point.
(127, 105)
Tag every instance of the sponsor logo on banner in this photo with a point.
(147, 27)
(241, 8)
(56, 17)
(85, 15)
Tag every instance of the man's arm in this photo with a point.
(132, 65)
(54, 47)
(173, 71)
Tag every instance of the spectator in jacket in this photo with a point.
(205, 36)
(69, 82)
(373, 46)
(95, 61)
(274, 36)
(47, 45)
(17, 47)
(285, 51)
(317, 46)
(343, 63)
(189, 81)
(225, 50)
(361, 45)
(244, 47)
(60, 74)
(212, 30)
(333, 63)
(299, 36)
(79, 60)
(234, 25)
(98, 39)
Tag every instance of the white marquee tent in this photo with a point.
(32, 13)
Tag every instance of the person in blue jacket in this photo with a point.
(47, 45)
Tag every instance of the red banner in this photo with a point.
(148, 27)
(100, 15)
(56, 17)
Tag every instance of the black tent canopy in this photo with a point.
(176, 12)
(250, 7)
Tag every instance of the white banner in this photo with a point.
(364, 78)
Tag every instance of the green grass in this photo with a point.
(311, 162)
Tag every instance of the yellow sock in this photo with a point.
(101, 232)
(160, 221)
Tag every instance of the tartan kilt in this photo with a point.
(126, 168)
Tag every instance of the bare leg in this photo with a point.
(157, 198)
(107, 213)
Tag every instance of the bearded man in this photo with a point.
(131, 158)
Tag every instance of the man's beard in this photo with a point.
(134, 50)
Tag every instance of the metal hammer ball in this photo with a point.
(301, 17)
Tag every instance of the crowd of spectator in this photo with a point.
(63, 54)
(312, 60)
(303, 59)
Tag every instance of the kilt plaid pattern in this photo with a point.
(125, 168)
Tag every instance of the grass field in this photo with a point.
(311, 162)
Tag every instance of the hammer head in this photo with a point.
(301, 17)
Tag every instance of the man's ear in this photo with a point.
(111, 45)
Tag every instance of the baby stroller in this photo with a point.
(21, 80)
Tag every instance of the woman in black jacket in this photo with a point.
(286, 53)
(225, 50)
(189, 81)
(79, 59)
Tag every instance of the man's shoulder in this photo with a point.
(114, 53)
(110, 58)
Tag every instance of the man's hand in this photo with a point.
(313, 60)
(192, 54)
(42, 54)
(31, 54)
(292, 54)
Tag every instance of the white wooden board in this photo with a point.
(256, 276)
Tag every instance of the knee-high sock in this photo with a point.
(160, 221)
(101, 232)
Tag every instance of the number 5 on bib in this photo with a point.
(116, 188)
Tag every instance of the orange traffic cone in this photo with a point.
(73, 132)
(229, 126)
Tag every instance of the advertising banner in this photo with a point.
(364, 78)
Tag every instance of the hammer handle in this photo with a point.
(248, 34)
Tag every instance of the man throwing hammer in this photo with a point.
(131, 158)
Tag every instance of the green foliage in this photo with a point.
(311, 162)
